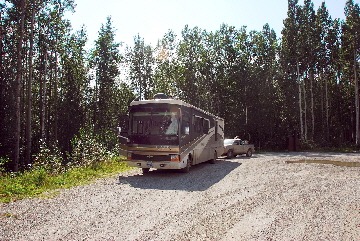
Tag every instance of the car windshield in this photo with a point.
(155, 121)
(228, 141)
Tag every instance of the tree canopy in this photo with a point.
(267, 86)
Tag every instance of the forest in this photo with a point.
(61, 103)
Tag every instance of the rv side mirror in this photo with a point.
(122, 132)
(123, 126)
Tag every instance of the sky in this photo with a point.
(152, 19)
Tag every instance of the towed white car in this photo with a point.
(234, 147)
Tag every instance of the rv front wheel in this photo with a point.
(188, 164)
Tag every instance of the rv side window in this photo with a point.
(198, 124)
(185, 126)
(135, 127)
(205, 126)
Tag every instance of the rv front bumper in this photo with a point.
(155, 164)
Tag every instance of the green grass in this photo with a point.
(40, 183)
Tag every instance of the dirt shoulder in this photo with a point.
(257, 198)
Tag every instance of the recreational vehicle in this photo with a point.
(166, 133)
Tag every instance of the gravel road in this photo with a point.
(257, 198)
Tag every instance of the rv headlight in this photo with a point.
(174, 157)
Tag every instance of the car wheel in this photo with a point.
(229, 154)
(249, 153)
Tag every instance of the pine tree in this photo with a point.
(290, 84)
(140, 59)
(105, 60)
(72, 85)
(165, 73)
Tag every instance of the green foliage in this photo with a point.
(141, 60)
(87, 151)
(3, 161)
(49, 159)
(308, 145)
(41, 183)
(70, 109)
(105, 59)
(165, 73)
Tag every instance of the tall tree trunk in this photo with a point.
(48, 106)
(1, 49)
(312, 104)
(305, 110)
(29, 93)
(18, 87)
(300, 104)
(43, 98)
(327, 107)
(1, 67)
(357, 140)
(56, 98)
(96, 103)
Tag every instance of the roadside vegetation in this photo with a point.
(50, 171)
(43, 183)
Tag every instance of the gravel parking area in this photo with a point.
(257, 198)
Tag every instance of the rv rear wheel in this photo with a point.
(145, 170)
(212, 161)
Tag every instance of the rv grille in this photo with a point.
(151, 157)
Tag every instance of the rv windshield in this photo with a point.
(154, 121)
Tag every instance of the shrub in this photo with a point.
(49, 159)
(87, 151)
(3, 161)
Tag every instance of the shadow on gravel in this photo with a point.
(199, 178)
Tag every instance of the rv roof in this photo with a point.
(169, 101)
(162, 101)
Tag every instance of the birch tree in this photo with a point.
(350, 49)
(19, 82)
